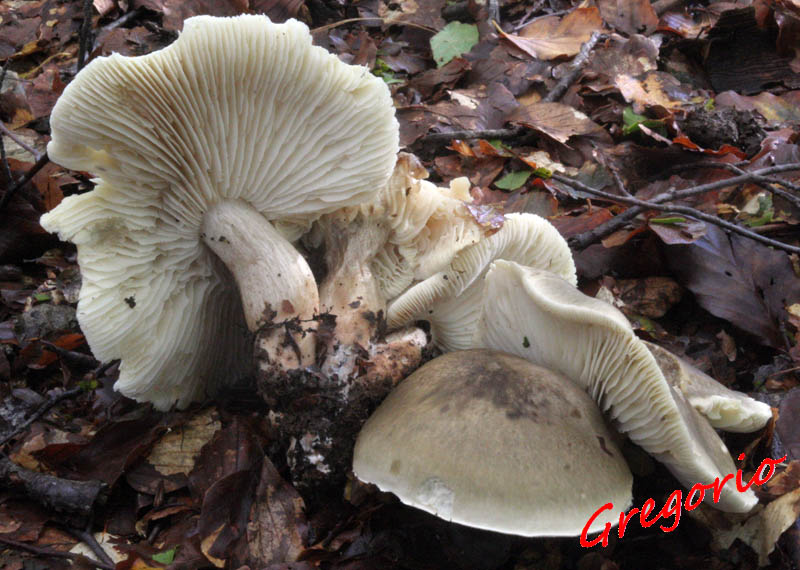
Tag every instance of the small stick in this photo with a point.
(685, 210)
(38, 550)
(575, 67)
(6, 168)
(85, 34)
(88, 538)
(25, 146)
(43, 409)
(34, 170)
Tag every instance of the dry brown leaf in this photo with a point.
(551, 37)
(556, 120)
(178, 449)
(629, 16)
(654, 88)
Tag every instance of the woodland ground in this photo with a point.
(670, 95)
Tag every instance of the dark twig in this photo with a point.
(43, 409)
(767, 182)
(89, 540)
(70, 355)
(24, 180)
(515, 132)
(122, 20)
(685, 210)
(75, 498)
(22, 144)
(575, 67)
(6, 168)
(85, 34)
(49, 552)
(583, 240)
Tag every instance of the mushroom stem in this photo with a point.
(277, 287)
(350, 291)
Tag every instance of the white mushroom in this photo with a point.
(376, 249)
(200, 146)
(539, 316)
(451, 299)
(723, 408)
(489, 440)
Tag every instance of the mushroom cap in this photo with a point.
(547, 320)
(451, 299)
(724, 408)
(235, 109)
(489, 440)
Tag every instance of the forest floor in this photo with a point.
(592, 115)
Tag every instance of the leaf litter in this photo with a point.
(669, 98)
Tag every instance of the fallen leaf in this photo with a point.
(654, 88)
(558, 121)
(453, 40)
(629, 16)
(552, 37)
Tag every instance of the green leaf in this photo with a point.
(454, 39)
(631, 122)
(513, 180)
(384, 72)
(165, 557)
(41, 297)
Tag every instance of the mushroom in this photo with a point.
(487, 439)
(451, 298)
(210, 152)
(723, 408)
(376, 249)
(541, 317)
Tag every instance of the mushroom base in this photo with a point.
(316, 418)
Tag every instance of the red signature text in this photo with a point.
(675, 503)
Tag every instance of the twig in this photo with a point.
(6, 168)
(122, 20)
(76, 498)
(515, 132)
(70, 355)
(13, 136)
(34, 170)
(767, 182)
(38, 550)
(89, 540)
(575, 67)
(85, 34)
(43, 409)
(583, 240)
(685, 210)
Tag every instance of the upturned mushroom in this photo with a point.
(377, 249)
(489, 440)
(450, 300)
(541, 317)
(210, 153)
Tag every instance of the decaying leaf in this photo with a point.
(552, 37)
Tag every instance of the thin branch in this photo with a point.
(85, 34)
(6, 168)
(575, 67)
(22, 144)
(34, 170)
(43, 409)
(767, 182)
(50, 553)
(515, 132)
(122, 20)
(583, 240)
(88, 538)
(685, 210)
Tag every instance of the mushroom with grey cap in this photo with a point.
(489, 440)
(541, 317)
(211, 153)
